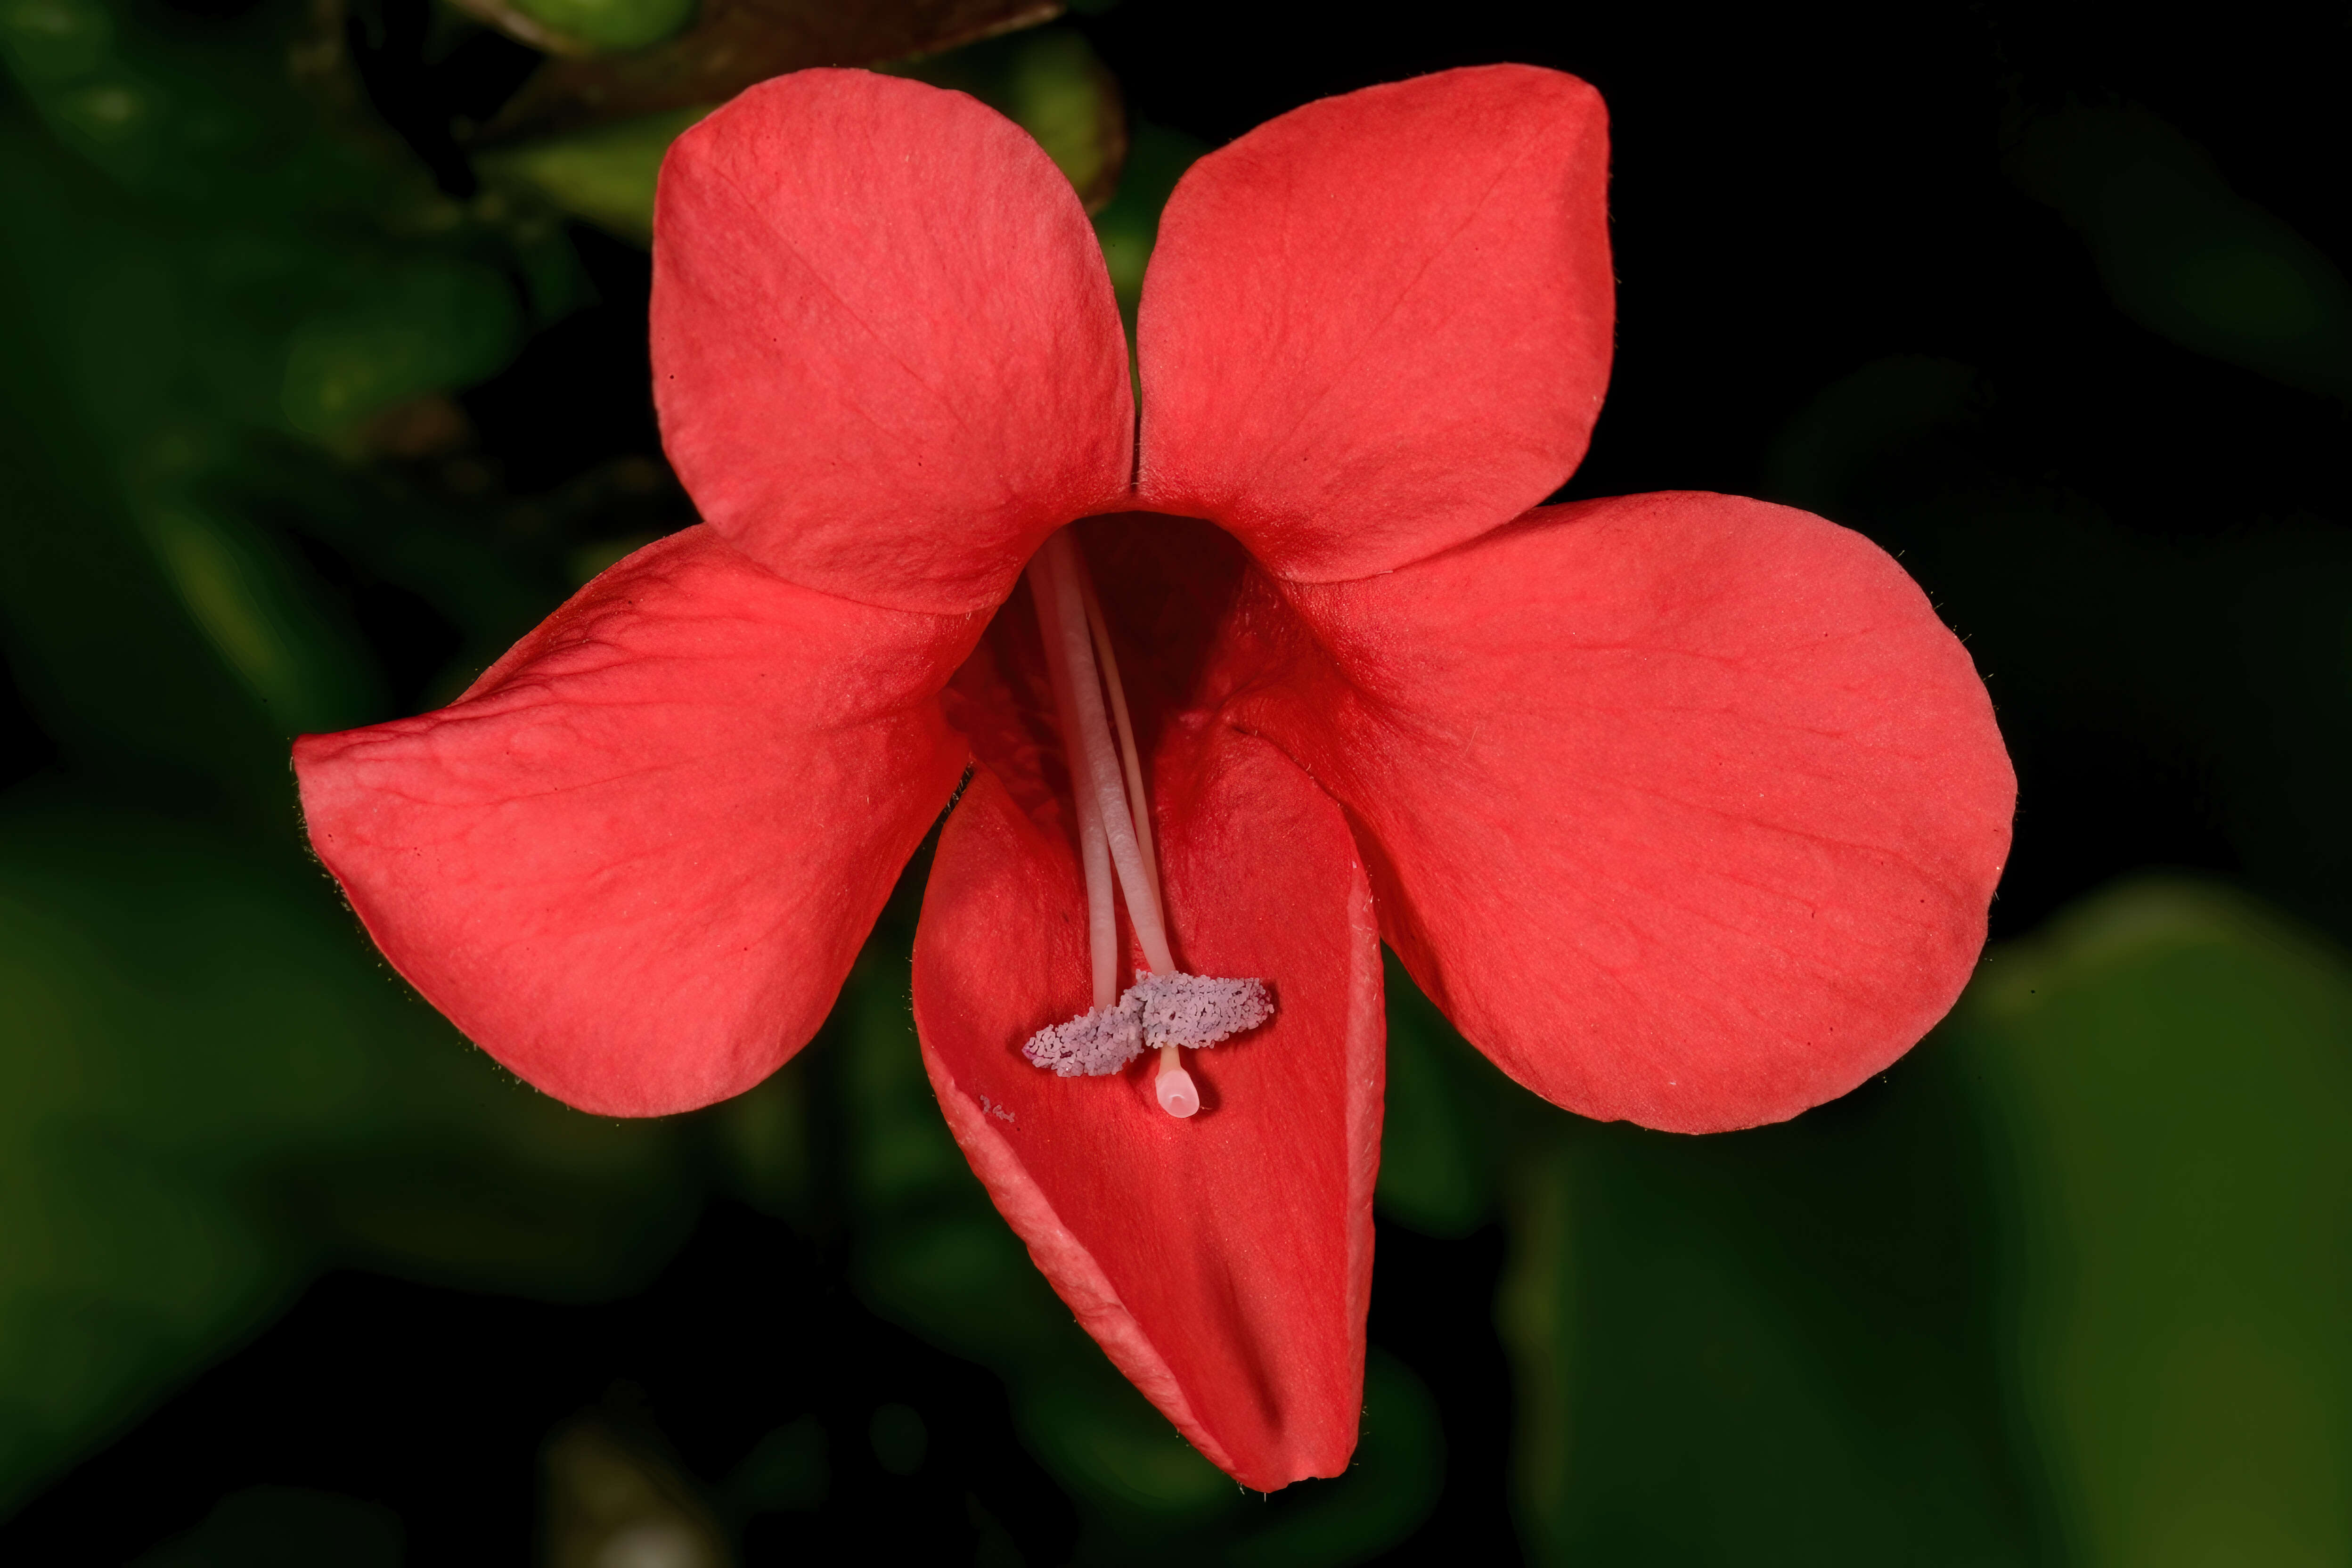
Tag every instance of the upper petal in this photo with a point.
(885, 354)
(636, 860)
(1381, 324)
(1685, 808)
(1223, 1262)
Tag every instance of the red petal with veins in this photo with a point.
(1223, 1262)
(885, 354)
(1381, 324)
(1685, 808)
(634, 861)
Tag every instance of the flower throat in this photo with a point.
(1164, 1009)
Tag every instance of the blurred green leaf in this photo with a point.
(1048, 82)
(47, 42)
(1393, 1482)
(285, 1526)
(1763, 1347)
(210, 1088)
(264, 616)
(735, 43)
(1436, 1159)
(2187, 257)
(212, 124)
(787, 1470)
(899, 1437)
(97, 638)
(2221, 665)
(165, 355)
(1826, 452)
(267, 271)
(2170, 1069)
(1138, 1478)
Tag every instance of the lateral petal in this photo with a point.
(1381, 324)
(634, 861)
(885, 354)
(1685, 808)
(1223, 1262)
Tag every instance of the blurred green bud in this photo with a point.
(585, 27)
(611, 1499)
(1128, 226)
(429, 326)
(1050, 83)
(605, 176)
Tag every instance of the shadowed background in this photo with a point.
(325, 368)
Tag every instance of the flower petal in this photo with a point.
(1223, 1262)
(636, 860)
(885, 354)
(1685, 808)
(1380, 325)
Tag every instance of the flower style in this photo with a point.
(1685, 808)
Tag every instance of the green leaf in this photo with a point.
(164, 358)
(1436, 1172)
(2171, 1071)
(1762, 1347)
(209, 1089)
(266, 619)
(211, 123)
(2187, 257)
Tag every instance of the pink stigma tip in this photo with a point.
(1178, 1096)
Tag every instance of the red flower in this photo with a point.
(1685, 808)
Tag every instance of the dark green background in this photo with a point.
(306, 422)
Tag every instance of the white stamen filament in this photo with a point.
(1130, 753)
(1107, 778)
(1094, 839)
(1163, 1009)
(1094, 759)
